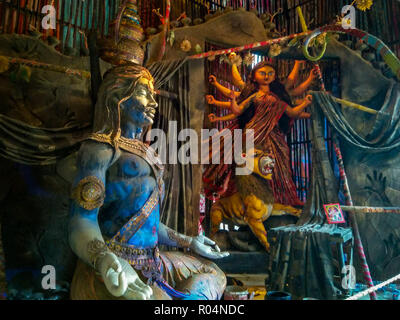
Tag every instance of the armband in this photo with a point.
(181, 240)
(89, 193)
(96, 249)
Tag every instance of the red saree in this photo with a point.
(269, 109)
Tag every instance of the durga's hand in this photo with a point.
(305, 115)
(301, 63)
(121, 280)
(313, 74)
(232, 95)
(210, 99)
(232, 56)
(212, 79)
(207, 248)
(308, 99)
(212, 117)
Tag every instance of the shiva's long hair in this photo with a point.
(118, 85)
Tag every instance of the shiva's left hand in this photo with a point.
(207, 248)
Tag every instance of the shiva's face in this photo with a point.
(265, 75)
(141, 107)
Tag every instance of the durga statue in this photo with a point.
(264, 105)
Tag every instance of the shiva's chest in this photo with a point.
(130, 184)
(129, 167)
(134, 189)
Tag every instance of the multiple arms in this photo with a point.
(237, 80)
(236, 109)
(296, 112)
(225, 91)
(221, 104)
(289, 84)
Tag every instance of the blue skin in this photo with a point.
(129, 182)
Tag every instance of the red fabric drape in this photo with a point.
(269, 109)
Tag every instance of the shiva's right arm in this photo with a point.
(88, 193)
(85, 238)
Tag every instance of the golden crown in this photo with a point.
(124, 44)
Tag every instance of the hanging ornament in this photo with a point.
(186, 46)
(235, 59)
(364, 5)
(275, 50)
(321, 39)
(223, 59)
(198, 49)
(248, 59)
(171, 38)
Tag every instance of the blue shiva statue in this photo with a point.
(114, 225)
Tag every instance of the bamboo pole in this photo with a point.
(302, 20)
(353, 220)
(355, 106)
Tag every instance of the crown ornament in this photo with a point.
(124, 44)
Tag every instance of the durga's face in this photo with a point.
(140, 107)
(265, 75)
